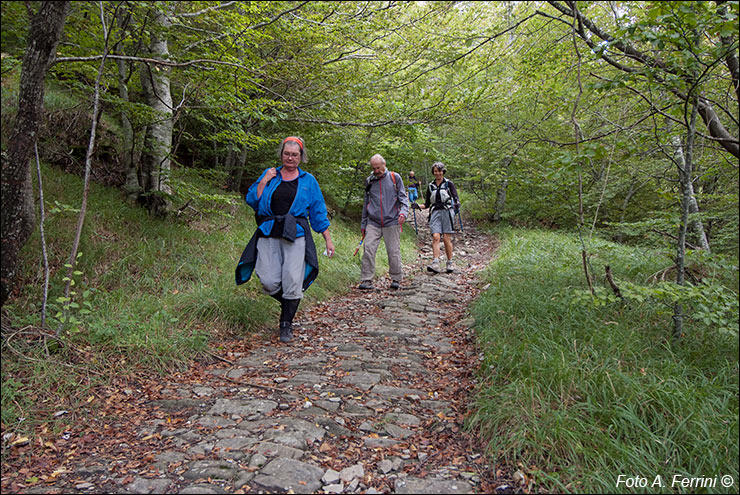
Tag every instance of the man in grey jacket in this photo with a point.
(384, 210)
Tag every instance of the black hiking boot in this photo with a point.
(286, 331)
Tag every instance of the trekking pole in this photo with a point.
(459, 217)
(416, 228)
(358, 246)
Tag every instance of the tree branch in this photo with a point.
(730, 57)
(204, 11)
(356, 124)
(465, 54)
(709, 116)
(154, 61)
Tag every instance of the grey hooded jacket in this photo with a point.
(384, 200)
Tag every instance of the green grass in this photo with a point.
(580, 394)
(162, 293)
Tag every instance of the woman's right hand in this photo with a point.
(269, 175)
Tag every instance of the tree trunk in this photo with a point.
(216, 156)
(230, 160)
(18, 217)
(235, 179)
(687, 187)
(131, 186)
(86, 181)
(696, 224)
(155, 81)
(717, 129)
(501, 193)
(630, 192)
(684, 162)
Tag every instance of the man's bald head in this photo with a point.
(377, 162)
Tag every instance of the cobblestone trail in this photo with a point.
(369, 397)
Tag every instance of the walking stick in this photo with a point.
(416, 228)
(358, 246)
(459, 217)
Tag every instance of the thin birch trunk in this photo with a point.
(43, 237)
(500, 203)
(578, 136)
(88, 166)
(683, 160)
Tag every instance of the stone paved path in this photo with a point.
(369, 397)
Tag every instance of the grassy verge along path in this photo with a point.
(581, 394)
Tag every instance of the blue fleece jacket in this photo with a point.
(308, 203)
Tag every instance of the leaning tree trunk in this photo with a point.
(155, 82)
(17, 212)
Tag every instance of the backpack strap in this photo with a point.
(368, 182)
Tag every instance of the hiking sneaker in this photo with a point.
(286, 331)
(395, 285)
(365, 286)
(450, 266)
(434, 267)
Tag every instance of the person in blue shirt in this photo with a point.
(413, 187)
(282, 252)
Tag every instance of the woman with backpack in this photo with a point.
(442, 199)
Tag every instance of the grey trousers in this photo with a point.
(281, 265)
(392, 237)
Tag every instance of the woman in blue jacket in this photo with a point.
(282, 252)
